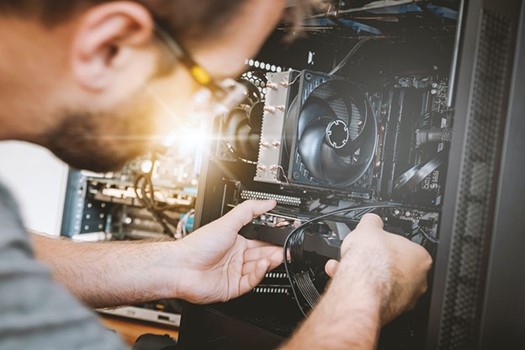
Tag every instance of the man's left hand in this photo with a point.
(220, 264)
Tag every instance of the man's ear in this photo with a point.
(104, 34)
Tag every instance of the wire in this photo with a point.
(145, 192)
(234, 153)
(299, 231)
(349, 55)
(427, 236)
(307, 288)
(144, 198)
(303, 280)
(370, 6)
(294, 80)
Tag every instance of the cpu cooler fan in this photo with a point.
(241, 127)
(331, 136)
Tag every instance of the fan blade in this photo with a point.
(355, 144)
(253, 94)
(241, 134)
(242, 139)
(335, 170)
(255, 116)
(363, 136)
(254, 139)
(314, 108)
(310, 147)
(236, 117)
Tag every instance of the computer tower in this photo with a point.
(477, 299)
(420, 107)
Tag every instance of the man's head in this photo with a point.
(89, 79)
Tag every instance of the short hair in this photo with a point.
(193, 19)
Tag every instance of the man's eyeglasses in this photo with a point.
(217, 96)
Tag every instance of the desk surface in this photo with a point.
(130, 330)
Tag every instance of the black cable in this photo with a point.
(300, 229)
(146, 197)
(427, 236)
(303, 280)
(307, 288)
(349, 55)
(150, 206)
(289, 275)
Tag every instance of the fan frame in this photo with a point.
(308, 82)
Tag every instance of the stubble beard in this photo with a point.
(103, 141)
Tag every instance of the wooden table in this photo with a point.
(130, 330)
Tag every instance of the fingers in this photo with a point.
(257, 262)
(369, 222)
(255, 274)
(263, 251)
(274, 255)
(366, 231)
(249, 267)
(245, 212)
(331, 267)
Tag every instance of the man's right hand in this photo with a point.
(394, 266)
(380, 275)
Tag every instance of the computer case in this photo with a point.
(478, 299)
(468, 203)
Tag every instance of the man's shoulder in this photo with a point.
(32, 303)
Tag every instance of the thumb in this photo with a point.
(370, 222)
(245, 212)
(331, 267)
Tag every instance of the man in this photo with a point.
(91, 81)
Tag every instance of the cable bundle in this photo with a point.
(299, 274)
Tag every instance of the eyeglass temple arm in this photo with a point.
(197, 71)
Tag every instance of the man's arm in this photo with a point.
(380, 276)
(213, 264)
(110, 273)
(348, 317)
